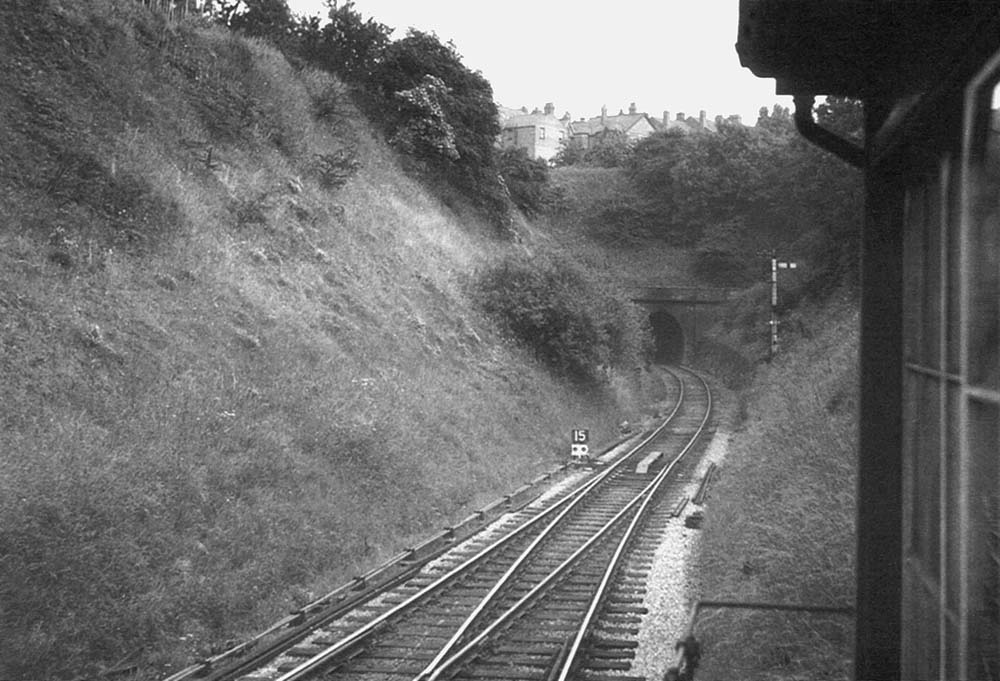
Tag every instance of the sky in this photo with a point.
(663, 56)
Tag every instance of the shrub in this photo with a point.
(619, 223)
(724, 255)
(612, 150)
(527, 180)
(573, 325)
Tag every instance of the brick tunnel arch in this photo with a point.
(668, 336)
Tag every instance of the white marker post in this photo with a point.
(579, 452)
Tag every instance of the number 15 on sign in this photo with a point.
(579, 451)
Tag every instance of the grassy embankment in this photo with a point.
(228, 383)
(780, 521)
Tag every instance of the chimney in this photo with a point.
(666, 118)
(680, 117)
(701, 119)
(718, 120)
(550, 109)
(631, 108)
(604, 114)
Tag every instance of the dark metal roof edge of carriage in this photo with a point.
(858, 48)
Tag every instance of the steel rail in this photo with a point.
(296, 626)
(569, 661)
(497, 588)
(494, 592)
(354, 639)
(645, 496)
(529, 598)
(304, 620)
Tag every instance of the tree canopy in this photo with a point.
(347, 44)
(612, 149)
(745, 189)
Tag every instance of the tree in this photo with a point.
(465, 104)
(222, 10)
(779, 120)
(268, 19)
(347, 45)
(569, 154)
(527, 180)
(428, 103)
(843, 116)
(609, 149)
(424, 132)
(468, 106)
(763, 186)
(612, 149)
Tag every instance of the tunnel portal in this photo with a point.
(668, 336)
(679, 316)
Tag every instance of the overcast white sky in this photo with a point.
(665, 55)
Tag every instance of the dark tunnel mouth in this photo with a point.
(668, 336)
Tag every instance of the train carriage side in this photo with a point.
(928, 516)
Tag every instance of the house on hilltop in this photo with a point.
(539, 133)
(689, 124)
(586, 133)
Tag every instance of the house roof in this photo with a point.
(505, 112)
(597, 124)
(693, 124)
(532, 120)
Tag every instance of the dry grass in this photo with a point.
(780, 527)
(225, 386)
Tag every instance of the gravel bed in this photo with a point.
(673, 585)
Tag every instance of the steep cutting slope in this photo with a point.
(238, 361)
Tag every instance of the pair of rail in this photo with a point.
(481, 624)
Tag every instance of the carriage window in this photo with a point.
(980, 246)
(923, 270)
(984, 257)
(951, 400)
(984, 563)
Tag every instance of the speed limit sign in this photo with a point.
(579, 450)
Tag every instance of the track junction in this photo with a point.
(551, 591)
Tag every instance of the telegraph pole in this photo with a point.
(775, 266)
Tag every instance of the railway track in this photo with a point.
(551, 591)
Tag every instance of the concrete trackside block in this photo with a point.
(643, 466)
